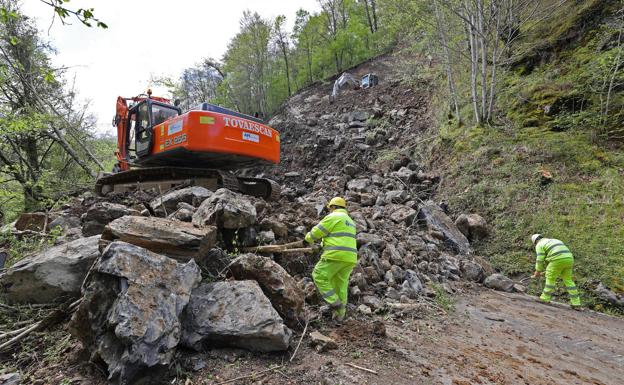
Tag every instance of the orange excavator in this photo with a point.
(160, 147)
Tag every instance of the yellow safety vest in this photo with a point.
(550, 250)
(337, 235)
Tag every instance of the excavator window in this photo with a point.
(162, 113)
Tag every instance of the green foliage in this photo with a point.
(496, 173)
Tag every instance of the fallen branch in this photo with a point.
(274, 248)
(53, 318)
(305, 329)
(361, 368)
(254, 374)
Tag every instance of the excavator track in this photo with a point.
(165, 178)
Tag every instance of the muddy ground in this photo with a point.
(489, 338)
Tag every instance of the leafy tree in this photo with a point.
(43, 134)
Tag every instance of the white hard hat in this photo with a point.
(535, 237)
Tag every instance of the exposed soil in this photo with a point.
(490, 338)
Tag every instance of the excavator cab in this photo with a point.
(142, 118)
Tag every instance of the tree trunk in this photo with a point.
(374, 12)
(368, 17)
(287, 68)
(448, 61)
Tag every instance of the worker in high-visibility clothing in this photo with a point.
(331, 274)
(560, 263)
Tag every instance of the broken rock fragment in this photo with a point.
(499, 282)
(225, 209)
(233, 313)
(176, 239)
(100, 214)
(51, 274)
(437, 220)
(129, 315)
(276, 283)
(193, 195)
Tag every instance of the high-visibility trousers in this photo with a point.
(560, 268)
(332, 281)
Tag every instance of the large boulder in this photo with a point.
(499, 282)
(100, 214)
(177, 239)
(277, 284)
(437, 220)
(52, 273)
(233, 313)
(473, 226)
(225, 209)
(129, 315)
(193, 195)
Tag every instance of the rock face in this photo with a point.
(225, 209)
(437, 220)
(276, 283)
(193, 195)
(473, 226)
(177, 239)
(53, 273)
(100, 214)
(233, 313)
(499, 282)
(129, 316)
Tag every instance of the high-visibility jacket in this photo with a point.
(550, 250)
(337, 235)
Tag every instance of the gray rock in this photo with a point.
(405, 174)
(266, 237)
(360, 221)
(129, 315)
(372, 301)
(357, 116)
(404, 214)
(292, 174)
(499, 282)
(64, 222)
(412, 285)
(473, 226)
(247, 236)
(11, 379)
(280, 229)
(471, 271)
(233, 313)
(184, 215)
(276, 283)
(100, 214)
(363, 309)
(225, 209)
(392, 293)
(605, 294)
(164, 236)
(50, 274)
(437, 220)
(361, 185)
(193, 195)
(367, 200)
(322, 342)
(374, 240)
(396, 196)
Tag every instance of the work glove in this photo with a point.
(316, 248)
(536, 274)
